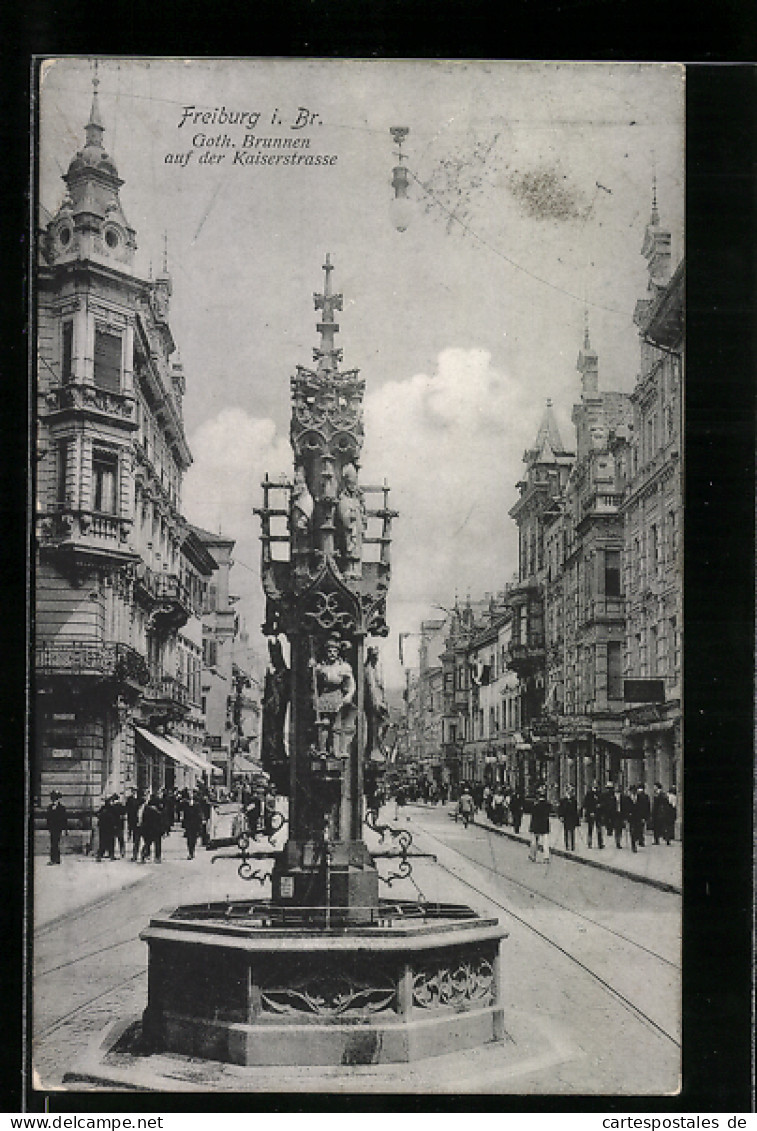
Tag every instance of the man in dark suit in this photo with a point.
(539, 826)
(567, 811)
(639, 817)
(57, 823)
(592, 810)
(660, 808)
(192, 822)
(618, 807)
(152, 829)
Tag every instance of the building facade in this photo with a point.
(220, 626)
(110, 599)
(542, 490)
(652, 511)
(586, 623)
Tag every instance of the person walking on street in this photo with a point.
(152, 829)
(640, 817)
(567, 811)
(56, 818)
(660, 806)
(465, 806)
(192, 823)
(498, 807)
(119, 814)
(516, 810)
(135, 849)
(592, 810)
(131, 810)
(106, 830)
(539, 826)
(672, 815)
(399, 800)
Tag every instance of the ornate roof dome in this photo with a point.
(93, 156)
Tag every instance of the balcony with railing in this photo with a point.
(166, 691)
(526, 657)
(78, 398)
(84, 533)
(104, 660)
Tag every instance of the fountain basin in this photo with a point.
(253, 983)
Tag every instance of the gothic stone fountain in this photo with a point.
(325, 972)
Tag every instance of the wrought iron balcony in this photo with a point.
(91, 659)
(168, 691)
(167, 597)
(526, 658)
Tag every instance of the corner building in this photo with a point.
(111, 578)
(652, 510)
(586, 613)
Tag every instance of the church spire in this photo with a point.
(327, 354)
(588, 364)
(548, 442)
(94, 128)
(656, 245)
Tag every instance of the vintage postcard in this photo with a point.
(357, 755)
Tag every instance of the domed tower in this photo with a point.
(90, 223)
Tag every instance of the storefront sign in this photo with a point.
(644, 690)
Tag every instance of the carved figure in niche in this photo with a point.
(275, 702)
(350, 512)
(334, 688)
(376, 710)
(302, 502)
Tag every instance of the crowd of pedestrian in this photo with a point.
(134, 826)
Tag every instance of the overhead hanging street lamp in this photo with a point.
(401, 207)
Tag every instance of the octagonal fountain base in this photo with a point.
(252, 983)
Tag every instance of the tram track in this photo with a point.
(623, 999)
(551, 899)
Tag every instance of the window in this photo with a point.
(62, 469)
(614, 670)
(104, 482)
(612, 573)
(107, 360)
(67, 353)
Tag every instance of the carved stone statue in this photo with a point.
(350, 513)
(302, 502)
(376, 710)
(334, 701)
(275, 701)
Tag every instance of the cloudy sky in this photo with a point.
(531, 185)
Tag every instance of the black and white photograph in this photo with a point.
(356, 747)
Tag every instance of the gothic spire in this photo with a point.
(588, 363)
(327, 354)
(94, 128)
(549, 433)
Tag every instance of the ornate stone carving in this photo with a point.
(464, 984)
(331, 993)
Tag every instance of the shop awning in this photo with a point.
(191, 756)
(174, 751)
(244, 765)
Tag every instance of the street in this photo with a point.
(591, 964)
